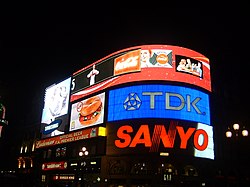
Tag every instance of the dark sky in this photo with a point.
(43, 44)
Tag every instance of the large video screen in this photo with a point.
(55, 111)
(158, 101)
(142, 63)
(174, 137)
(87, 112)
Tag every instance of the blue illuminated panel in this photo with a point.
(158, 101)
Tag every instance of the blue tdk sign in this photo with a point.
(158, 101)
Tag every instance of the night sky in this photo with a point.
(41, 45)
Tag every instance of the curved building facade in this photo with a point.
(137, 117)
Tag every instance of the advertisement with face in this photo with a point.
(143, 63)
(55, 111)
(87, 112)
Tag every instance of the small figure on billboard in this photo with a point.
(182, 65)
(92, 75)
(199, 70)
(188, 65)
(185, 65)
(145, 57)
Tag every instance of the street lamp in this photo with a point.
(236, 149)
(236, 130)
(83, 152)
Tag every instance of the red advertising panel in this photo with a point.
(155, 136)
(157, 62)
(54, 166)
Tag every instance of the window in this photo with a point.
(61, 151)
(49, 153)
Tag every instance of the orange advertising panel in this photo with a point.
(129, 62)
(71, 137)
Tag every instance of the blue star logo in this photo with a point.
(132, 102)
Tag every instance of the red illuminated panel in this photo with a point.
(54, 166)
(174, 137)
(158, 62)
(142, 136)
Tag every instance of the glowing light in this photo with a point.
(86, 153)
(164, 154)
(101, 131)
(236, 126)
(229, 134)
(245, 132)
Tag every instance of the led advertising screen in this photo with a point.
(142, 63)
(158, 101)
(115, 65)
(55, 111)
(87, 112)
(174, 137)
(209, 152)
(71, 137)
(189, 65)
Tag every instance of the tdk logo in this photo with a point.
(133, 102)
(158, 101)
(184, 101)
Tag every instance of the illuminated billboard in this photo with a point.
(158, 101)
(55, 111)
(87, 112)
(125, 63)
(170, 136)
(142, 63)
(62, 165)
(72, 137)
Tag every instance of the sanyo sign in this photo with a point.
(170, 136)
(158, 101)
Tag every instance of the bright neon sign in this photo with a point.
(158, 101)
(178, 137)
(142, 136)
